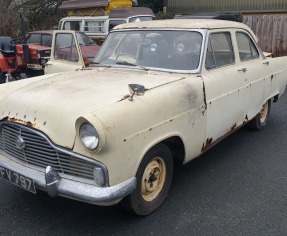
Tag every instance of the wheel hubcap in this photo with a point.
(153, 179)
(263, 113)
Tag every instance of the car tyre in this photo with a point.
(154, 178)
(260, 120)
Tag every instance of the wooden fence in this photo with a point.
(271, 31)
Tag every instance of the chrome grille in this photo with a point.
(40, 152)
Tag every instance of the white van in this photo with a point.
(97, 27)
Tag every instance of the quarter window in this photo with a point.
(246, 47)
(219, 50)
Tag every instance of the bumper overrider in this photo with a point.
(54, 179)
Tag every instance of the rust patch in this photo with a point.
(245, 119)
(207, 144)
(26, 123)
(233, 127)
(124, 97)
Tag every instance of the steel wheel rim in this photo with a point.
(153, 179)
(263, 113)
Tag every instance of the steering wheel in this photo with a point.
(16, 41)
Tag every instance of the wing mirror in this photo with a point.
(136, 89)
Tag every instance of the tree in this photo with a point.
(8, 25)
(40, 14)
(155, 5)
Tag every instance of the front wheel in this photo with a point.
(260, 120)
(154, 177)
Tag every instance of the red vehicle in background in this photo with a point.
(34, 51)
(22, 58)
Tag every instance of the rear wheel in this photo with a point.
(154, 177)
(260, 120)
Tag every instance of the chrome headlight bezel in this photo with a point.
(89, 136)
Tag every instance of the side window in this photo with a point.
(65, 48)
(219, 50)
(72, 25)
(94, 26)
(34, 39)
(246, 47)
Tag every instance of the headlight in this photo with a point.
(89, 136)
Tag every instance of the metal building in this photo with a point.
(244, 6)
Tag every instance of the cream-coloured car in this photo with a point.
(157, 93)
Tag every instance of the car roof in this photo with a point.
(183, 24)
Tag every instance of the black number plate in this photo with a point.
(17, 179)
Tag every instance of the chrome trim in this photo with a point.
(54, 185)
(57, 148)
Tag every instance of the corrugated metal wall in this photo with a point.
(271, 31)
(191, 6)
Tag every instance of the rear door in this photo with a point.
(65, 53)
(227, 93)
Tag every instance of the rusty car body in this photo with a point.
(157, 92)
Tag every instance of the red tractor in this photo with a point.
(8, 61)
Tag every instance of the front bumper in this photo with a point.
(55, 185)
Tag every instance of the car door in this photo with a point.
(254, 68)
(226, 92)
(65, 53)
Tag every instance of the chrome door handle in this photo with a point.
(243, 70)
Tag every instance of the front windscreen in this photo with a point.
(157, 49)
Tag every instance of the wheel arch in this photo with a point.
(176, 147)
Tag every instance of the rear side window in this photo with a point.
(219, 50)
(246, 47)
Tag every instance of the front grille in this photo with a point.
(40, 152)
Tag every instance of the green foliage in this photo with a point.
(162, 16)
(238, 16)
(155, 5)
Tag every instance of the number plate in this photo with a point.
(17, 179)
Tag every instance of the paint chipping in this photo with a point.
(26, 123)
(207, 144)
(124, 97)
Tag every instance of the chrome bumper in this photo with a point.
(55, 185)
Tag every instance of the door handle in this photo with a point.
(243, 70)
(266, 63)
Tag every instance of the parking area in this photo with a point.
(237, 188)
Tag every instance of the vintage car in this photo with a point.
(158, 93)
